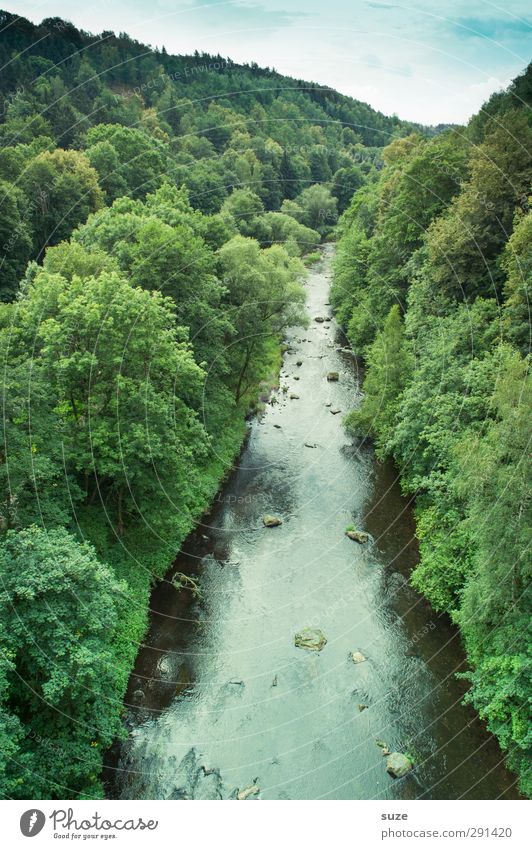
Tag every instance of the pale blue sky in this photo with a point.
(429, 61)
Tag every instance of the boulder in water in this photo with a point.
(271, 521)
(357, 536)
(332, 376)
(319, 319)
(357, 657)
(294, 397)
(242, 795)
(310, 638)
(398, 765)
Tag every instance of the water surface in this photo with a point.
(221, 699)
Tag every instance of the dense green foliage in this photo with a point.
(88, 119)
(155, 214)
(432, 283)
(59, 610)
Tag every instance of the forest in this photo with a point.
(432, 284)
(157, 217)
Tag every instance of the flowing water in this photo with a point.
(222, 700)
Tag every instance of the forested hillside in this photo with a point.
(156, 214)
(134, 119)
(432, 284)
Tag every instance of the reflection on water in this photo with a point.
(221, 701)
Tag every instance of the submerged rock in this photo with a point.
(310, 638)
(382, 745)
(357, 657)
(398, 765)
(299, 363)
(138, 696)
(357, 536)
(271, 521)
(294, 397)
(335, 412)
(333, 376)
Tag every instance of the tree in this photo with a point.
(61, 190)
(143, 159)
(346, 182)
(319, 208)
(167, 257)
(493, 477)
(264, 297)
(34, 484)
(517, 263)
(387, 373)
(465, 245)
(59, 611)
(206, 187)
(15, 240)
(243, 205)
(123, 382)
(319, 164)
(105, 161)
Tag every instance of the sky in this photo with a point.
(432, 61)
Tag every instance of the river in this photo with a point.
(222, 700)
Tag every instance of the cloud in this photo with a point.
(374, 62)
(383, 5)
(241, 13)
(495, 28)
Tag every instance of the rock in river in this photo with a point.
(398, 765)
(242, 795)
(357, 657)
(319, 319)
(310, 638)
(332, 376)
(271, 521)
(357, 536)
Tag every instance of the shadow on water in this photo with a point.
(222, 701)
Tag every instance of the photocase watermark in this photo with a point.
(66, 825)
(32, 822)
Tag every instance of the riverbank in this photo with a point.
(142, 561)
(222, 700)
